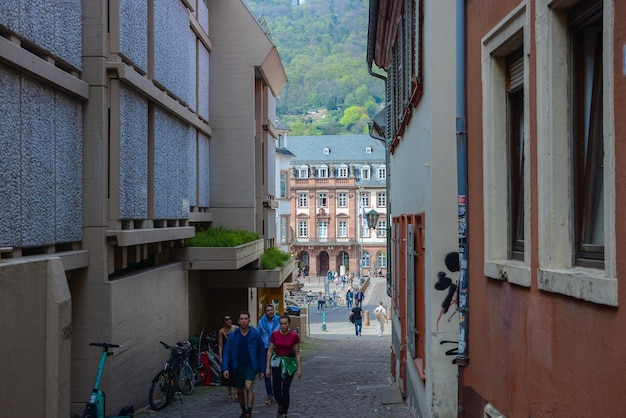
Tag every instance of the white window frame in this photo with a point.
(557, 272)
(382, 259)
(381, 199)
(283, 184)
(302, 229)
(381, 229)
(322, 172)
(507, 36)
(342, 229)
(322, 200)
(381, 173)
(303, 200)
(365, 172)
(365, 200)
(303, 172)
(284, 222)
(368, 150)
(342, 172)
(322, 231)
(342, 200)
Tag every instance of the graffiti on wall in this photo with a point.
(450, 288)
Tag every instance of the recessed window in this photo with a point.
(368, 150)
(302, 200)
(342, 200)
(322, 200)
(322, 172)
(326, 151)
(365, 200)
(283, 184)
(381, 199)
(576, 150)
(505, 72)
(365, 172)
(515, 151)
(322, 230)
(587, 136)
(342, 229)
(302, 229)
(381, 229)
(342, 172)
(303, 172)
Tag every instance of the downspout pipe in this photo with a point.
(461, 152)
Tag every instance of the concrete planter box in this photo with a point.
(276, 277)
(219, 258)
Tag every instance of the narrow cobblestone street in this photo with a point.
(343, 375)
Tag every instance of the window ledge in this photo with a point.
(582, 283)
(514, 272)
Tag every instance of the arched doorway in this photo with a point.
(343, 262)
(323, 262)
(304, 263)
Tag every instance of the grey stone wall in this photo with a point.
(133, 32)
(41, 165)
(172, 59)
(133, 155)
(203, 81)
(203, 171)
(53, 25)
(171, 143)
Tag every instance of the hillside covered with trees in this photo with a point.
(322, 44)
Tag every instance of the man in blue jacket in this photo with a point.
(268, 324)
(242, 359)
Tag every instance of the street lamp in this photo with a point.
(372, 220)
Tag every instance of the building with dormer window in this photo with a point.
(331, 189)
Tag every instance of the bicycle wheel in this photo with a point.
(186, 381)
(162, 390)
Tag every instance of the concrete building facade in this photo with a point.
(127, 125)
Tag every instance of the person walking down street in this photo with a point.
(222, 336)
(334, 299)
(357, 318)
(320, 302)
(283, 361)
(359, 298)
(244, 357)
(381, 318)
(349, 297)
(267, 325)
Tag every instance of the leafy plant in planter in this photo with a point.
(221, 237)
(273, 257)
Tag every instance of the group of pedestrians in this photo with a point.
(272, 351)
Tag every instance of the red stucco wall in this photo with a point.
(534, 353)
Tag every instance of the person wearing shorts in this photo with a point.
(243, 359)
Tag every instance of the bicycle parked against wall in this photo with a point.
(96, 406)
(176, 376)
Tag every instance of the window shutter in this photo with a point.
(516, 73)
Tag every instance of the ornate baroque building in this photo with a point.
(335, 181)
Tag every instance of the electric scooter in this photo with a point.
(96, 406)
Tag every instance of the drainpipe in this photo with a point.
(462, 358)
(461, 148)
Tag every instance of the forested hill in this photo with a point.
(322, 44)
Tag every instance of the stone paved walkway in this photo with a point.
(343, 376)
